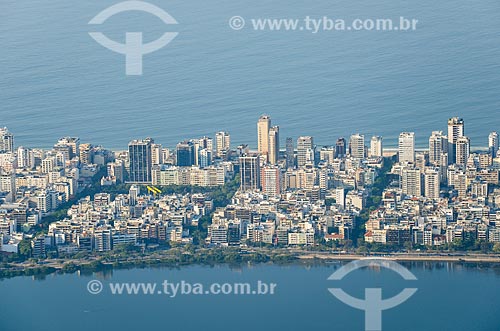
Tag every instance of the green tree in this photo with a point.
(25, 248)
(485, 247)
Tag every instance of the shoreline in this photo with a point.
(404, 257)
(278, 258)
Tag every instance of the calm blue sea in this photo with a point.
(449, 297)
(56, 81)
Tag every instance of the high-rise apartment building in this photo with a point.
(456, 129)
(340, 148)
(327, 154)
(73, 143)
(340, 197)
(443, 168)
(290, 157)
(462, 148)
(48, 164)
(116, 169)
(133, 194)
(357, 146)
(263, 126)
(25, 158)
(222, 143)
(460, 184)
(8, 184)
(411, 182)
(250, 172)
(270, 180)
(204, 157)
(204, 143)
(493, 144)
(64, 150)
(185, 154)
(406, 147)
(376, 149)
(432, 184)
(305, 148)
(274, 144)
(86, 154)
(156, 154)
(140, 160)
(6, 140)
(438, 145)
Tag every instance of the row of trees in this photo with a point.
(373, 201)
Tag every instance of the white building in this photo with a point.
(406, 147)
(305, 147)
(263, 126)
(438, 144)
(376, 148)
(411, 183)
(270, 180)
(431, 178)
(222, 143)
(357, 144)
(462, 150)
(493, 143)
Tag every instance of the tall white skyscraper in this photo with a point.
(73, 143)
(8, 184)
(222, 143)
(25, 158)
(462, 150)
(274, 144)
(263, 126)
(305, 147)
(438, 144)
(270, 180)
(133, 194)
(431, 179)
(493, 143)
(6, 140)
(406, 147)
(376, 148)
(340, 197)
(200, 144)
(204, 157)
(327, 154)
(156, 154)
(456, 129)
(357, 146)
(411, 182)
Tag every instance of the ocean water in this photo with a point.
(449, 297)
(56, 81)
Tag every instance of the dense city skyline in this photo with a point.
(389, 144)
(35, 183)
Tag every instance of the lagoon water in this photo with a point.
(56, 81)
(449, 297)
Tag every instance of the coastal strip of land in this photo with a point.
(472, 258)
(230, 257)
